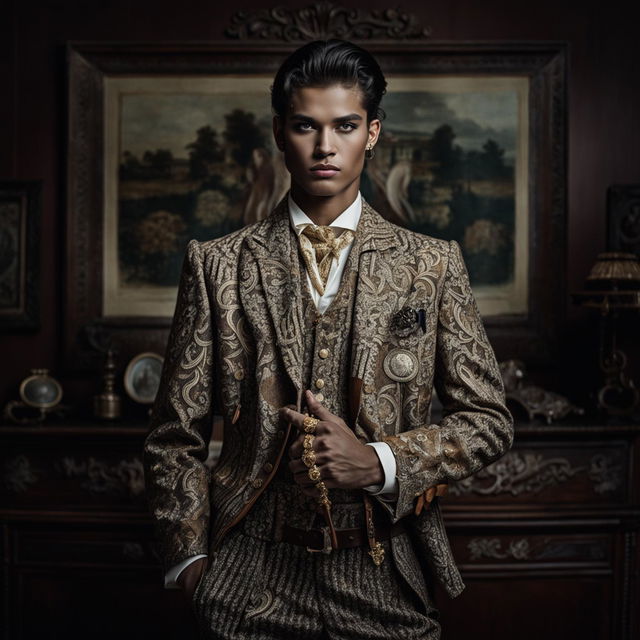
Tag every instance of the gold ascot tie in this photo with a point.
(327, 247)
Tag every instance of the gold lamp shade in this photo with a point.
(615, 270)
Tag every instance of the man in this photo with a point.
(318, 334)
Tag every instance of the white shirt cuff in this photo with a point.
(388, 462)
(172, 575)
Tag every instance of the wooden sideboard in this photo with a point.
(546, 538)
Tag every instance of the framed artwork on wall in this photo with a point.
(169, 143)
(623, 218)
(20, 213)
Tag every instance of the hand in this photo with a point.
(344, 462)
(190, 577)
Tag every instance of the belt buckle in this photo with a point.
(326, 538)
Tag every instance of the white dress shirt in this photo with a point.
(348, 219)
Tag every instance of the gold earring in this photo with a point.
(369, 152)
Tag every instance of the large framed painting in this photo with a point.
(172, 143)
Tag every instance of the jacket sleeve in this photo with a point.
(477, 427)
(176, 447)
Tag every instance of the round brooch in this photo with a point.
(400, 365)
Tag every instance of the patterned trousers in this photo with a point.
(258, 588)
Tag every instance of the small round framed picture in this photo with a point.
(142, 377)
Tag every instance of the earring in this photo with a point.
(369, 152)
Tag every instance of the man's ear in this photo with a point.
(278, 133)
(375, 126)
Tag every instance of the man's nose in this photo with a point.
(324, 143)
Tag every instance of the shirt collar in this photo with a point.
(348, 219)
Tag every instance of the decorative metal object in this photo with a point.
(533, 399)
(325, 20)
(401, 365)
(613, 287)
(40, 395)
(107, 405)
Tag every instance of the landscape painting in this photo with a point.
(195, 158)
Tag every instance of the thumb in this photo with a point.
(317, 408)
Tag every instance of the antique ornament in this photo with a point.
(401, 365)
(40, 395)
(107, 405)
(325, 20)
(534, 400)
(407, 320)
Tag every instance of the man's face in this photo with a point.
(325, 126)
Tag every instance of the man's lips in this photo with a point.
(323, 167)
(324, 170)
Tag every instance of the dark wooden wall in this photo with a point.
(603, 147)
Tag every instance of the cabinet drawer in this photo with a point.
(530, 551)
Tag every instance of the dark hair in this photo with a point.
(322, 63)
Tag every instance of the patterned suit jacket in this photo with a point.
(236, 349)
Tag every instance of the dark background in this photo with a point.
(603, 130)
(603, 148)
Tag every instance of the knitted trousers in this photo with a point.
(259, 588)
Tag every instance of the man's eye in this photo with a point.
(302, 126)
(349, 126)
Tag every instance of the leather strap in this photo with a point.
(357, 537)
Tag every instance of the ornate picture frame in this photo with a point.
(255, 47)
(20, 214)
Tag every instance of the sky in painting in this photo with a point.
(170, 121)
(475, 116)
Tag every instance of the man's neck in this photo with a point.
(323, 210)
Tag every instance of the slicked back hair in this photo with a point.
(323, 63)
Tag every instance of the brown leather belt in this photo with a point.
(319, 540)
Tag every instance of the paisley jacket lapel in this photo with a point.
(374, 300)
(276, 257)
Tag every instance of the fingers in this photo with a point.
(294, 417)
(301, 478)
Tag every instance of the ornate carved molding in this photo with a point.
(527, 472)
(19, 474)
(325, 20)
(127, 476)
(605, 473)
(546, 549)
(492, 548)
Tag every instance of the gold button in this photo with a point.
(257, 483)
(319, 383)
(323, 353)
(319, 397)
(239, 374)
(368, 388)
(268, 467)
